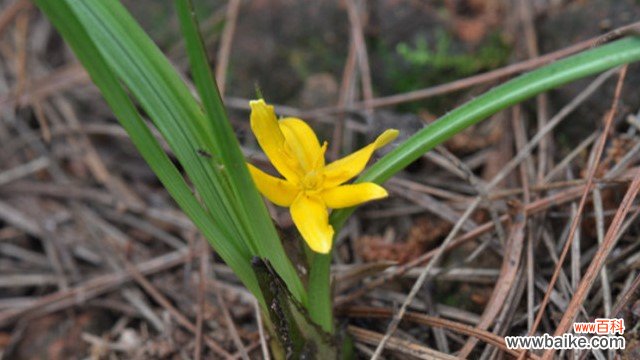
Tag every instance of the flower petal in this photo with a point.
(311, 217)
(302, 142)
(352, 195)
(351, 165)
(272, 141)
(278, 191)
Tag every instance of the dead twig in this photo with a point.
(598, 261)
(495, 340)
(398, 345)
(583, 200)
(9, 13)
(224, 52)
(91, 288)
(361, 51)
(508, 271)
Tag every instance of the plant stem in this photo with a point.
(319, 292)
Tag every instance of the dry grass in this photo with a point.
(502, 231)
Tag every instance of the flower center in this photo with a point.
(312, 180)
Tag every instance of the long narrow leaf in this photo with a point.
(235, 254)
(162, 94)
(251, 206)
(515, 91)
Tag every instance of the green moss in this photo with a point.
(419, 64)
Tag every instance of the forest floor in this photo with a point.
(96, 260)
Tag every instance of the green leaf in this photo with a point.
(264, 238)
(165, 98)
(231, 202)
(236, 255)
(526, 86)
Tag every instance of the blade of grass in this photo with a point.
(167, 99)
(266, 239)
(163, 95)
(236, 255)
(153, 82)
(517, 90)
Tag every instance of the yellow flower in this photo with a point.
(309, 186)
